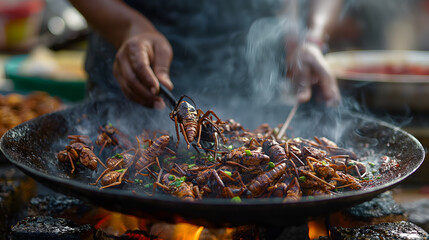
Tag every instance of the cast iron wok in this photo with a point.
(32, 146)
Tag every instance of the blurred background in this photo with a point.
(43, 42)
(42, 53)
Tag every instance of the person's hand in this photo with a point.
(308, 67)
(142, 63)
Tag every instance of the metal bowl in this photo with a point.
(391, 92)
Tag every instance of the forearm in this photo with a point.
(321, 19)
(113, 19)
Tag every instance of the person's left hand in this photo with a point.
(307, 68)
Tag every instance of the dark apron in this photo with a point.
(223, 50)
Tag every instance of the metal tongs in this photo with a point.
(167, 95)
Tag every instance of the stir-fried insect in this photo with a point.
(79, 151)
(112, 136)
(245, 164)
(190, 121)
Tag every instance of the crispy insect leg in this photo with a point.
(177, 131)
(161, 186)
(169, 151)
(102, 147)
(158, 179)
(214, 114)
(225, 175)
(307, 173)
(185, 136)
(199, 135)
(102, 164)
(253, 144)
(71, 162)
(309, 163)
(218, 180)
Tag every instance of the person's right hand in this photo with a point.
(142, 63)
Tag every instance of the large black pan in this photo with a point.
(33, 145)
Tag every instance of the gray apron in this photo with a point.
(223, 49)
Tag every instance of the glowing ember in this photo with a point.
(185, 231)
(317, 228)
(117, 224)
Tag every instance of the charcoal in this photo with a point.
(45, 227)
(378, 210)
(16, 189)
(242, 232)
(398, 230)
(129, 235)
(296, 232)
(418, 212)
(59, 206)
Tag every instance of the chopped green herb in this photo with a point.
(118, 156)
(210, 158)
(191, 165)
(248, 152)
(110, 124)
(171, 177)
(378, 177)
(230, 147)
(351, 163)
(120, 170)
(178, 182)
(236, 199)
(302, 178)
(136, 180)
(192, 157)
(371, 164)
(170, 158)
(324, 162)
(228, 173)
(78, 163)
(271, 165)
(148, 185)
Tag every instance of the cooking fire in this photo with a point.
(56, 216)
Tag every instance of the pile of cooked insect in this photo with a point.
(16, 108)
(220, 159)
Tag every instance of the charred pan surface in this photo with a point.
(398, 230)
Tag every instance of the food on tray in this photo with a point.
(16, 108)
(395, 69)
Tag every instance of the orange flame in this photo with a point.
(117, 224)
(184, 231)
(317, 228)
